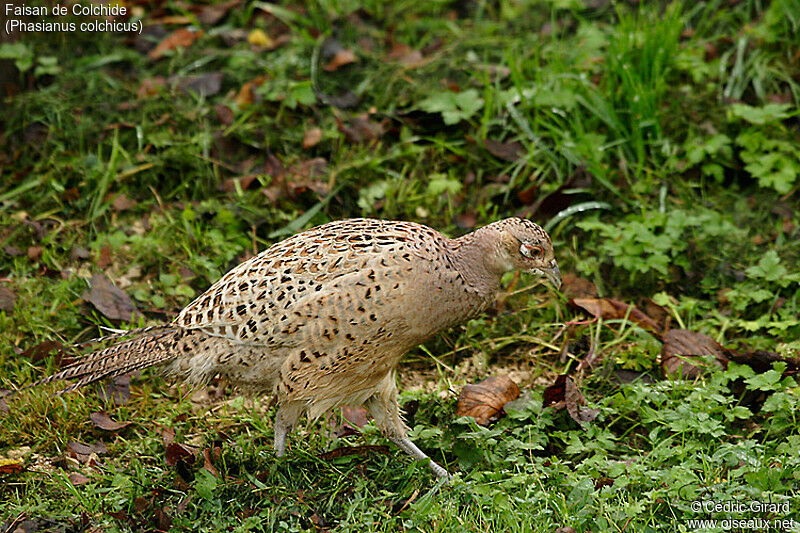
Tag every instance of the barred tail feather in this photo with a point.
(151, 346)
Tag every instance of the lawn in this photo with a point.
(658, 143)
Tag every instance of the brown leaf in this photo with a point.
(11, 466)
(104, 257)
(117, 390)
(208, 464)
(484, 401)
(564, 393)
(576, 287)
(42, 350)
(610, 309)
(11, 250)
(309, 169)
(207, 84)
(121, 202)
(83, 452)
(182, 37)
(761, 361)
(681, 355)
(224, 114)
(246, 95)
(178, 452)
(555, 393)
(112, 302)
(339, 59)
(78, 479)
(211, 14)
(507, 151)
(229, 185)
(150, 86)
(7, 299)
(574, 400)
(311, 137)
(361, 129)
(405, 55)
(167, 434)
(102, 421)
(34, 253)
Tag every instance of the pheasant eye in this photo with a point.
(529, 250)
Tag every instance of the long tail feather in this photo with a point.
(150, 346)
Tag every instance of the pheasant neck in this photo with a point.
(475, 256)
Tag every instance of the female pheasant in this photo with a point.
(322, 318)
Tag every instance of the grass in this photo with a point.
(661, 139)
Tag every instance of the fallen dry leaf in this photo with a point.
(681, 355)
(246, 95)
(206, 84)
(361, 129)
(40, 351)
(259, 38)
(405, 55)
(102, 421)
(78, 479)
(117, 390)
(7, 299)
(507, 151)
(182, 37)
(484, 401)
(84, 453)
(35, 252)
(211, 14)
(208, 464)
(610, 309)
(11, 466)
(176, 453)
(576, 287)
(224, 114)
(104, 257)
(311, 137)
(563, 393)
(339, 59)
(112, 302)
(309, 169)
(121, 202)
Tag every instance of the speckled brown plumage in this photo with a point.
(322, 318)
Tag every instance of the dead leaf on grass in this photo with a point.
(484, 401)
(101, 420)
(311, 137)
(121, 202)
(179, 38)
(112, 302)
(610, 309)
(224, 114)
(117, 389)
(7, 299)
(343, 57)
(206, 84)
(11, 466)
(683, 351)
(507, 151)
(211, 14)
(405, 55)
(361, 129)
(576, 287)
(78, 479)
(563, 393)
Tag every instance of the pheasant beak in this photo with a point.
(552, 273)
